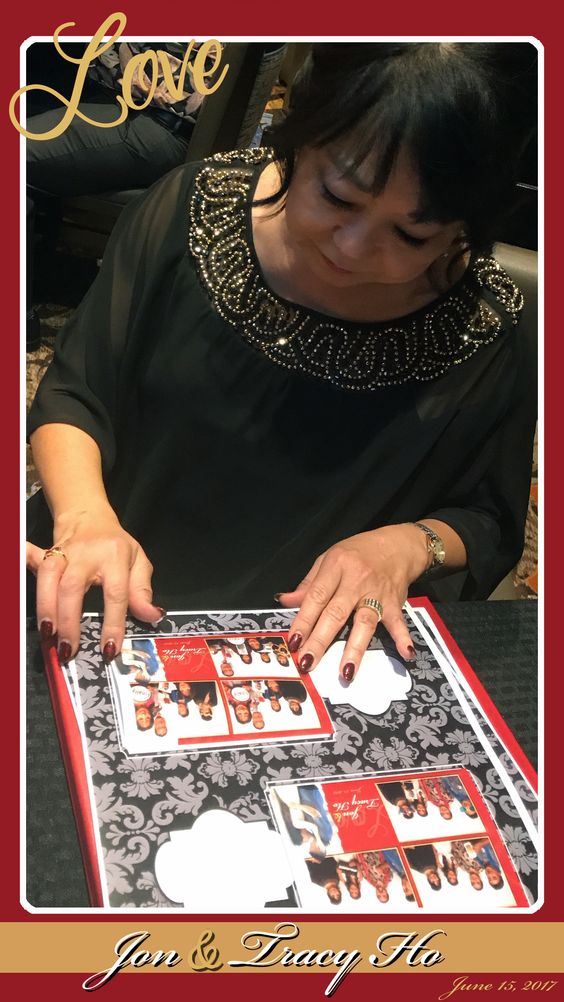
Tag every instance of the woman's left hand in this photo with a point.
(380, 564)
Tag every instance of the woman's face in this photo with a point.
(476, 880)
(346, 236)
(144, 718)
(160, 726)
(243, 713)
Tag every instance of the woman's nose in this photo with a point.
(354, 241)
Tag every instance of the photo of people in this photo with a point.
(159, 716)
(363, 882)
(269, 705)
(460, 875)
(251, 656)
(344, 850)
(169, 692)
(426, 807)
(139, 657)
(336, 877)
(306, 819)
(326, 874)
(384, 871)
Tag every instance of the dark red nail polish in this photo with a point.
(45, 630)
(65, 651)
(411, 653)
(306, 663)
(109, 651)
(348, 672)
(294, 642)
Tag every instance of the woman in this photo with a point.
(376, 869)
(326, 309)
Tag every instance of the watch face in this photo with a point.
(435, 545)
(438, 551)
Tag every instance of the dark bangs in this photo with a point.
(448, 105)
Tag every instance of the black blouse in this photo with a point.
(242, 435)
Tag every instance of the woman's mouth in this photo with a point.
(335, 267)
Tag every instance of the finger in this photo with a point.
(33, 557)
(291, 599)
(364, 626)
(395, 624)
(50, 570)
(116, 594)
(317, 597)
(330, 622)
(141, 592)
(70, 595)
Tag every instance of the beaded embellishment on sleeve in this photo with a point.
(419, 347)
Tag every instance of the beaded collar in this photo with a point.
(352, 356)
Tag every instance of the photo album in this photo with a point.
(201, 753)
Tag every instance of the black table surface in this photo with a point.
(499, 640)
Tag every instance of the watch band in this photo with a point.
(435, 546)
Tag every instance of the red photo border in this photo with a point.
(227, 18)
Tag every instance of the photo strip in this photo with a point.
(396, 844)
(192, 690)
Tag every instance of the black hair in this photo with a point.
(465, 112)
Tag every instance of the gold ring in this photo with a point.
(55, 551)
(371, 603)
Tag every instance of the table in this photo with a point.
(498, 638)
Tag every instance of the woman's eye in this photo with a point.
(408, 239)
(334, 199)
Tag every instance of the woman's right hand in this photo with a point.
(95, 550)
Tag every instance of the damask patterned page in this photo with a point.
(157, 809)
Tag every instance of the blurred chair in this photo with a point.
(228, 119)
(522, 266)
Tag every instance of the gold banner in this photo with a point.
(287, 946)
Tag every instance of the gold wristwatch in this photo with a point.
(435, 546)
